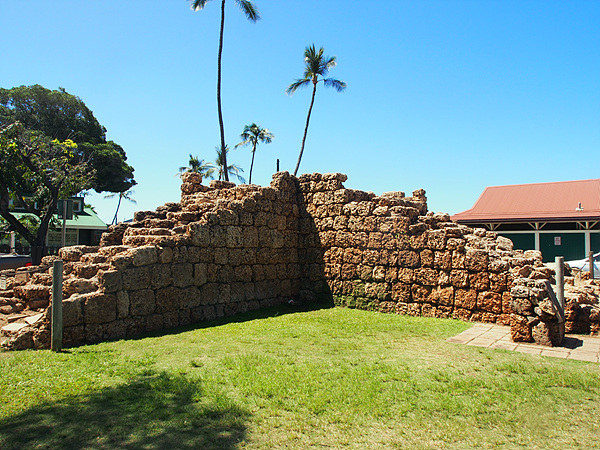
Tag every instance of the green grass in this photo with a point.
(327, 378)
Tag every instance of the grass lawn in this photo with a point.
(325, 378)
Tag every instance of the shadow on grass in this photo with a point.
(156, 411)
(264, 313)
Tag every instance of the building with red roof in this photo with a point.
(560, 219)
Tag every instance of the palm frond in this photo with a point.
(245, 142)
(266, 136)
(197, 165)
(298, 84)
(197, 5)
(338, 85)
(249, 9)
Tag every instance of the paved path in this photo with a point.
(575, 346)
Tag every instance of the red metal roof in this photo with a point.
(536, 202)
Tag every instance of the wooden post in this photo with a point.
(277, 164)
(560, 280)
(591, 263)
(57, 316)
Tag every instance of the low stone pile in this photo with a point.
(582, 306)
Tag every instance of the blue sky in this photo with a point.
(450, 96)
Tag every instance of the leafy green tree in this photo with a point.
(60, 115)
(232, 169)
(127, 195)
(253, 134)
(52, 147)
(251, 12)
(316, 67)
(197, 165)
(34, 174)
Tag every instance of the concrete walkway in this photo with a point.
(575, 346)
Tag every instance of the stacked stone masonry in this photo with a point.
(226, 249)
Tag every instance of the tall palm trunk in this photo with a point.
(252, 163)
(114, 221)
(221, 126)
(312, 101)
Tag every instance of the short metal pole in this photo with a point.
(560, 280)
(277, 164)
(591, 264)
(57, 315)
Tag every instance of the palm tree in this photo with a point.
(125, 195)
(315, 66)
(253, 134)
(196, 165)
(251, 12)
(233, 169)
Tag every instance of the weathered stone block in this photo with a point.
(121, 261)
(122, 304)
(136, 278)
(455, 244)
(458, 260)
(31, 292)
(522, 306)
(550, 334)
(189, 298)
(408, 259)
(379, 273)
(143, 256)
(167, 299)
(98, 307)
(234, 237)
(420, 294)
(426, 277)
(405, 275)
(479, 281)
(110, 280)
(462, 314)
(443, 296)
(78, 286)
(70, 253)
(436, 239)
(72, 312)
(498, 265)
(465, 298)
(224, 274)
(160, 276)
(142, 302)
(183, 274)
(73, 336)
(476, 260)
(427, 258)
(85, 270)
(490, 301)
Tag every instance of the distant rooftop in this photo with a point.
(85, 220)
(549, 202)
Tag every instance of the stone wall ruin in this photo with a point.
(226, 249)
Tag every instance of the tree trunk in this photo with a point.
(37, 253)
(221, 126)
(252, 164)
(312, 101)
(114, 221)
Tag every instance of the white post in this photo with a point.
(560, 280)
